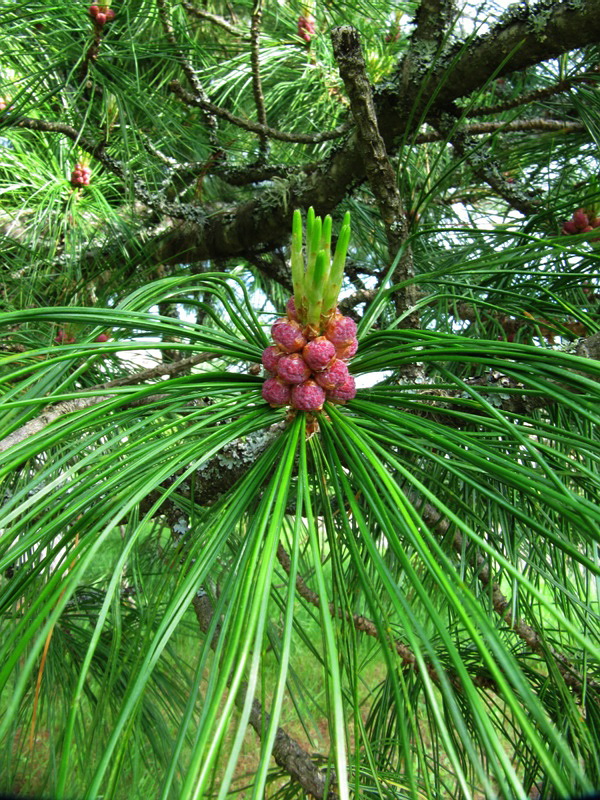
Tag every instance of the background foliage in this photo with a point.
(198, 596)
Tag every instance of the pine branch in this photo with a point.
(514, 126)
(486, 168)
(190, 72)
(502, 606)
(155, 200)
(53, 412)
(233, 231)
(499, 52)
(257, 127)
(362, 624)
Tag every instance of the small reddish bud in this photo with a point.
(306, 27)
(94, 11)
(110, 15)
(63, 337)
(102, 337)
(580, 218)
(100, 19)
(81, 175)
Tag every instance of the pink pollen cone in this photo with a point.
(347, 351)
(319, 353)
(288, 335)
(270, 357)
(293, 368)
(308, 396)
(335, 375)
(341, 330)
(290, 307)
(276, 392)
(343, 393)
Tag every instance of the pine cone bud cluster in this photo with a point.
(306, 369)
(81, 175)
(306, 27)
(582, 221)
(101, 15)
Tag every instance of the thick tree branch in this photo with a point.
(535, 34)
(433, 19)
(505, 49)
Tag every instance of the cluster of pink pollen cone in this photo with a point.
(304, 371)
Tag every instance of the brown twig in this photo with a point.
(517, 125)
(215, 19)
(287, 752)
(485, 167)
(502, 605)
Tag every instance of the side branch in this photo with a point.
(502, 606)
(187, 67)
(259, 97)
(532, 97)
(380, 173)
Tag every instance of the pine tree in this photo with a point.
(397, 595)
